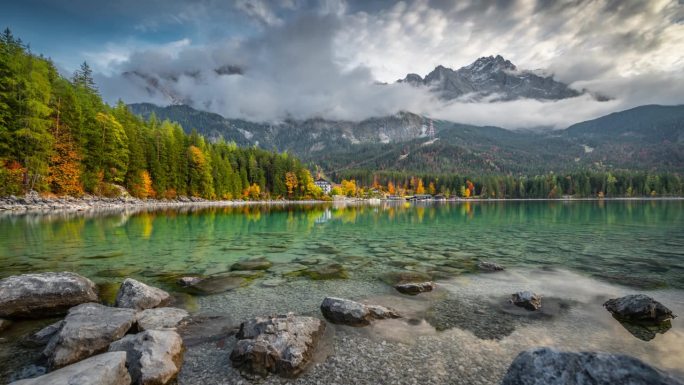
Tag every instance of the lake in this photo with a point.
(576, 254)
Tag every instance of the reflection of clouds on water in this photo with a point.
(586, 326)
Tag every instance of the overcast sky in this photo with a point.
(324, 58)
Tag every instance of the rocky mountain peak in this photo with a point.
(490, 64)
(491, 77)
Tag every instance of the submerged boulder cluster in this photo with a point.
(134, 342)
(137, 341)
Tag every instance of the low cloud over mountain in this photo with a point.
(302, 59)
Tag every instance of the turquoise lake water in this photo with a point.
(576, 254)
(639, 243)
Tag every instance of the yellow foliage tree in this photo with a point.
(420, 189)
(65, 170)
(349, 187)
(390, 188)
(253, 192)
(291, 182)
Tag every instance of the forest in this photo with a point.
(57, 136)
(580, 184)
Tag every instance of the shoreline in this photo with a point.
(35, 204)
(50, 205)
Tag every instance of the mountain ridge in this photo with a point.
(403, 141)
(491, 78)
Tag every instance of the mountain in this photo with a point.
(300, 137)
(492, 78)
(643, 138)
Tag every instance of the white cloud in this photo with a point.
(325, 63)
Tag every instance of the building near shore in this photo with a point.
(324, 185)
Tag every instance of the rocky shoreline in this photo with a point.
(140, 340)
(37, 204)
(34, 203)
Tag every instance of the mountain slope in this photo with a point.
(644, 138)
(493, 78)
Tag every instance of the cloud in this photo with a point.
(326, 60)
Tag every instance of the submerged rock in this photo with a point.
(88, 329)
(103, 369)
(44, 294)
(43, 336)
(188, 281)
(282, 344)
(252, 264)
(399, 277)
(217, 284)
(489, 266)
(527, 300)
(639, 308)
(645, 332)
(415, 288)
(546, 366)
(161, 318)
(477, 315)
(328, 271)
(641, 315)
(154, 357)
(347, 312)
(137, 295)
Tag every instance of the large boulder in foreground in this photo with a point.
(44, 294)
(282, 344)
(154, 357)
(347, 312)
(546, 366)
(136, 295)
(88, 329)
(103, 369)
(638, 308)
(161, 318)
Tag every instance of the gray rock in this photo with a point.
(161, 318)
(639, 308)
(414, 288)
(347, 312)
(136, 295)
(88, 329)
(252, 264)
(545, 366)
(282, 344)
(154, 357)
(489, 266)
(216, 284)
(527, 300)
(188, 281)
(103, 369)
(44, 294)
(43, 336)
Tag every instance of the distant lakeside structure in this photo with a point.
(324, 185)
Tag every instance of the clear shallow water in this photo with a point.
(636, 243)
(579, 253)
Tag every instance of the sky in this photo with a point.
(272, 60)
